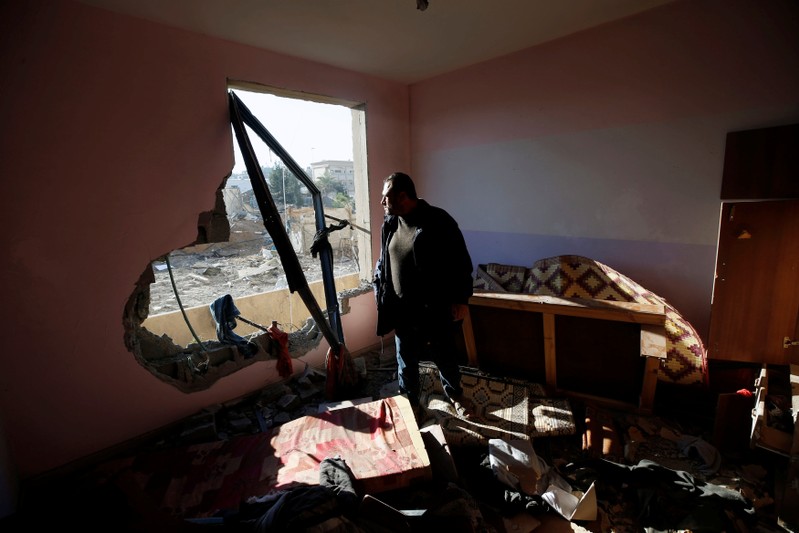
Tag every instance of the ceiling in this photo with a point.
(391, 39)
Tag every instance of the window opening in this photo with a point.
(295, 276)
(341, 375)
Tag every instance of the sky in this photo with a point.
(308, 131)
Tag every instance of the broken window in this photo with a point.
(174, 319)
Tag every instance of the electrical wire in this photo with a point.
(204, 365)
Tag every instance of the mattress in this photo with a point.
(379, 441)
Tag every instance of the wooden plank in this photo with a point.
(599, 309)
(607, 402)
(653, 341)
(468, 339)
(764, 435)
(649, 383)
(761, 383)
(794, 369)
(508, 342)
(549, 350)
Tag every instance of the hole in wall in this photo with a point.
(169, 321)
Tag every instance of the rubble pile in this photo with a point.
(629, 441)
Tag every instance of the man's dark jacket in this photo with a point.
(442, 261)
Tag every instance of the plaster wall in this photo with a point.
(609, 143)
(115, 137)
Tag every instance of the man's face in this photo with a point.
(389, 201)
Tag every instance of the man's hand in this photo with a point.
(459, 311)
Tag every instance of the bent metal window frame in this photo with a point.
(330, 326)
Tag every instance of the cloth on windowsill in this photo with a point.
(224, 312)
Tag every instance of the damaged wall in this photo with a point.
(608, 143)
(115, 137)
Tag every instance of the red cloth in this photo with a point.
(284, 364)
(341, 375)
(375, 439)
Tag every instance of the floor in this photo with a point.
(645, 476)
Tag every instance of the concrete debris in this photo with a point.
(390, 389)
(600, 432)
(360, 366)
(282, 417)
(306, 387)
(240, 423)
(288, 402)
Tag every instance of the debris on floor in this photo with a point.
(642, 472)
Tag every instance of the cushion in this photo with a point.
(497, 277)
(505, 408)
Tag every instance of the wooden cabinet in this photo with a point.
(776, 391)
(755, 308)
(774, 420)
(761, 163)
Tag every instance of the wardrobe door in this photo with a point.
(755, 307)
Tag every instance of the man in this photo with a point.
(422, 282)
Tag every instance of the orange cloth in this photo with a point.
(341, 375)
(284, 364)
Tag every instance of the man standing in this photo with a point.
(422, 282)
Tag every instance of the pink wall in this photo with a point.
(115, 137)
(609, 143)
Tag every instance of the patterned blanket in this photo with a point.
(378, 440)
(574, 276)
(505, 408)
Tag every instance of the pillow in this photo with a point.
(497, 277)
